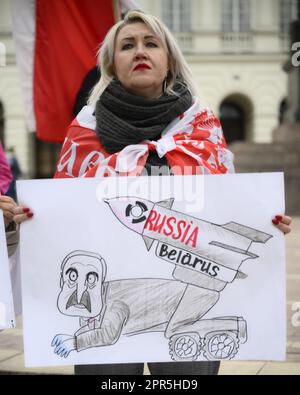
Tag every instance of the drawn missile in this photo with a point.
(215, 251)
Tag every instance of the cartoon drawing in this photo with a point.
(206, 257)
(213, 252)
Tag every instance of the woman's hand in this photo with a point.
(21, 214)
(7, 205)
(12, 212)
(283, 222)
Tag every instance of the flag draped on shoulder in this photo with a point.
(56, 44)
(192, 144)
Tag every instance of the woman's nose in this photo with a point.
(141, 52)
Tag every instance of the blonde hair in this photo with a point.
(177, 64)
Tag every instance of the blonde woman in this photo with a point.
(144, 117)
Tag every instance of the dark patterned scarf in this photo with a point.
(123, 118)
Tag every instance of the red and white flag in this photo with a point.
(56, 45)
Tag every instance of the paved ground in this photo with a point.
(11, 347)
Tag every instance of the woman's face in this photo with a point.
(140, 60)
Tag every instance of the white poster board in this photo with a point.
(153, 269)
(7, 315)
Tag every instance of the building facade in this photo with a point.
(236, 49)
(13, 132)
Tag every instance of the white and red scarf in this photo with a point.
(192, 144)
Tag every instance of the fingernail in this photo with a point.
(275, 221)
(278, 217)
(26, 210)
(29, 215)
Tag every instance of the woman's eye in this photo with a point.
(151, 45)
(127, 46)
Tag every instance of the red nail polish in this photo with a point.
(278, 217)
(26, 210)
(275, 221)
(29, 215)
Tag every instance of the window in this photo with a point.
(235, 16)
(288, 13)
(177, 15)
(232, 119)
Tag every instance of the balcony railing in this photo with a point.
(233, 42)
(185, 41)
(237, 42)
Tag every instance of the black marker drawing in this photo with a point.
(206, 257)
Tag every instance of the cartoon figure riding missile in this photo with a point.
(206, 256)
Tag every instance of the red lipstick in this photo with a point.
(141, 66)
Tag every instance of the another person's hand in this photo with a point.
(283, 223)
(21, 214)
(7, 205)
(12, 212)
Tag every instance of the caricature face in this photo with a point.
(81, 286)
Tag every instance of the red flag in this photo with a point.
(67, 37)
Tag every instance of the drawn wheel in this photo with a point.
(220, 345)
(185, 347)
